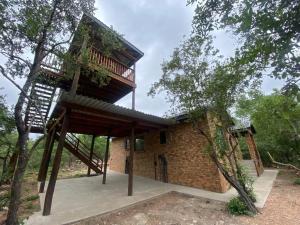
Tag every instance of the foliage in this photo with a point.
(236, 206)
(7, 123)
(197, 82)
(4, 200)
(99, 146)
(268, 33)
(30, 31)
(246, 180)
(276, 120)
(297, 181)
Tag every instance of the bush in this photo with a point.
(236, 206)
(297, 181)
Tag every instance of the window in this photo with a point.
(139, 144)
(163, 137)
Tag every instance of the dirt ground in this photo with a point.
(30, 202)
(282, 208)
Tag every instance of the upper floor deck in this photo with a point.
(119, 64)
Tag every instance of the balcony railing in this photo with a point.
(98, 59)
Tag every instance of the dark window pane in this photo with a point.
(163, 137)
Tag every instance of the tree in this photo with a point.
(99, 145)
(268, 32)
(276, 119)
(29, 31)
(197, 82)
(7, 138)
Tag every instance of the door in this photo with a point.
(163, 168)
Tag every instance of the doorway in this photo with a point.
(163, 168)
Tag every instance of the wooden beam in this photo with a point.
(43, 162)
(131, 152)
(47, 162)
(55, 167)
(105, 160)
(91, 153)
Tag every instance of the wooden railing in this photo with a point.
(98, 59)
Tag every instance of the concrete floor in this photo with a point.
(79, 198)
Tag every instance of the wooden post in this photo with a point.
(105, 160)
(47, 161)
(131, 152)
(55, 168)
(91, 153)
(77, 72)
(133, 89)
(46, 149)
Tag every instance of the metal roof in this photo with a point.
(111, 108)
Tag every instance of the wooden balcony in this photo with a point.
(121, 82)
(97, 59)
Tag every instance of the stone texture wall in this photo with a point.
(185, 152)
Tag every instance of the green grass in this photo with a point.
(32, 198)
(297, 181)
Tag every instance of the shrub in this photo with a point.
(236, 206)
(4, 200)
(297, 181)
(32, 198)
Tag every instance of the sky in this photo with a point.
(156, 27)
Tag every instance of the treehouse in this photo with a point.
(84, 104)
(114, 63)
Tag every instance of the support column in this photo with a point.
(47, 161)
(55, 168)
(130, 171)
(43, 162)
(91, 153)
(105, 160)
(133, 89)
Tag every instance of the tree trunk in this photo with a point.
(16, 186)
(22, 151)
(243, 194)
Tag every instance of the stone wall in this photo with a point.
(185, 151)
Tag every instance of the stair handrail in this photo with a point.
(85, 149)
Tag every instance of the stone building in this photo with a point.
(176, 155)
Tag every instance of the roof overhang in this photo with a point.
(91, 116)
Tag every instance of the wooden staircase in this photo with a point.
(82, 152)
(37, 113)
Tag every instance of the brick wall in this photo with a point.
(185, 152)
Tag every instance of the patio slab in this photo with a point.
(80, 198)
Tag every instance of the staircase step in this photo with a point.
(78, 149)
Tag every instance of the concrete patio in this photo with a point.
(79, 198)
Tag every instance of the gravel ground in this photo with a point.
(282, 208)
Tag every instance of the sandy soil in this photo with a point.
(282, 208)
